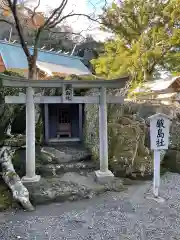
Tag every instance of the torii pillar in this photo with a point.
(30, 138)
(104, 174)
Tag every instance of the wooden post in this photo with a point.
(30, 138)
(103, 173)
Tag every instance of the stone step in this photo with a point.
(51, 161)
(49, 170)
(64, 154)
(69, 187)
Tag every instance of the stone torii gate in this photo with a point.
(30, 99)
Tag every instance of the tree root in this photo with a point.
(10, 177)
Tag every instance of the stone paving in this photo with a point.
(113, 216)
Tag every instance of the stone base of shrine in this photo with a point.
(26, 179)
(104, 176)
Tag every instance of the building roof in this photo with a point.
(53, 69)
(14, 58)
(169, 85)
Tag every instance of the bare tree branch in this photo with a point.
(6, 21)
(4, 5)
(72, 33)
(94, 5)
(13, 7)
(9, 3)
(34, 11)
(56, 17)
(56, 11)
(73, 15)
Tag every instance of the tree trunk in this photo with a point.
(32, 74)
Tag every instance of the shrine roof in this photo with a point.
(14, 58)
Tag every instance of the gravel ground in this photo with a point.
(114, 216)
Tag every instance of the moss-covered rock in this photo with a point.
(19, 160)
(18, 125)
(15, 141)
(174, 140)
(6, 199)
(128, 137)
(171, 160)
(91, 127)
(39, 125)
(147, 109)
(127, 152)
(10, 114)
(7, 116)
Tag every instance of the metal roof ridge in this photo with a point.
(42, 50)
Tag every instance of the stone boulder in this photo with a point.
(65, 154)
(128, 138)
(171, 161)
(82, 167)
(91, 129)
(174, 140)
(7, 114)
(146, 109)
(128, 156)
(39, 129)
(18, 125)
(10, 114)
(57, 155)
(19, 160)
(129, 141)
